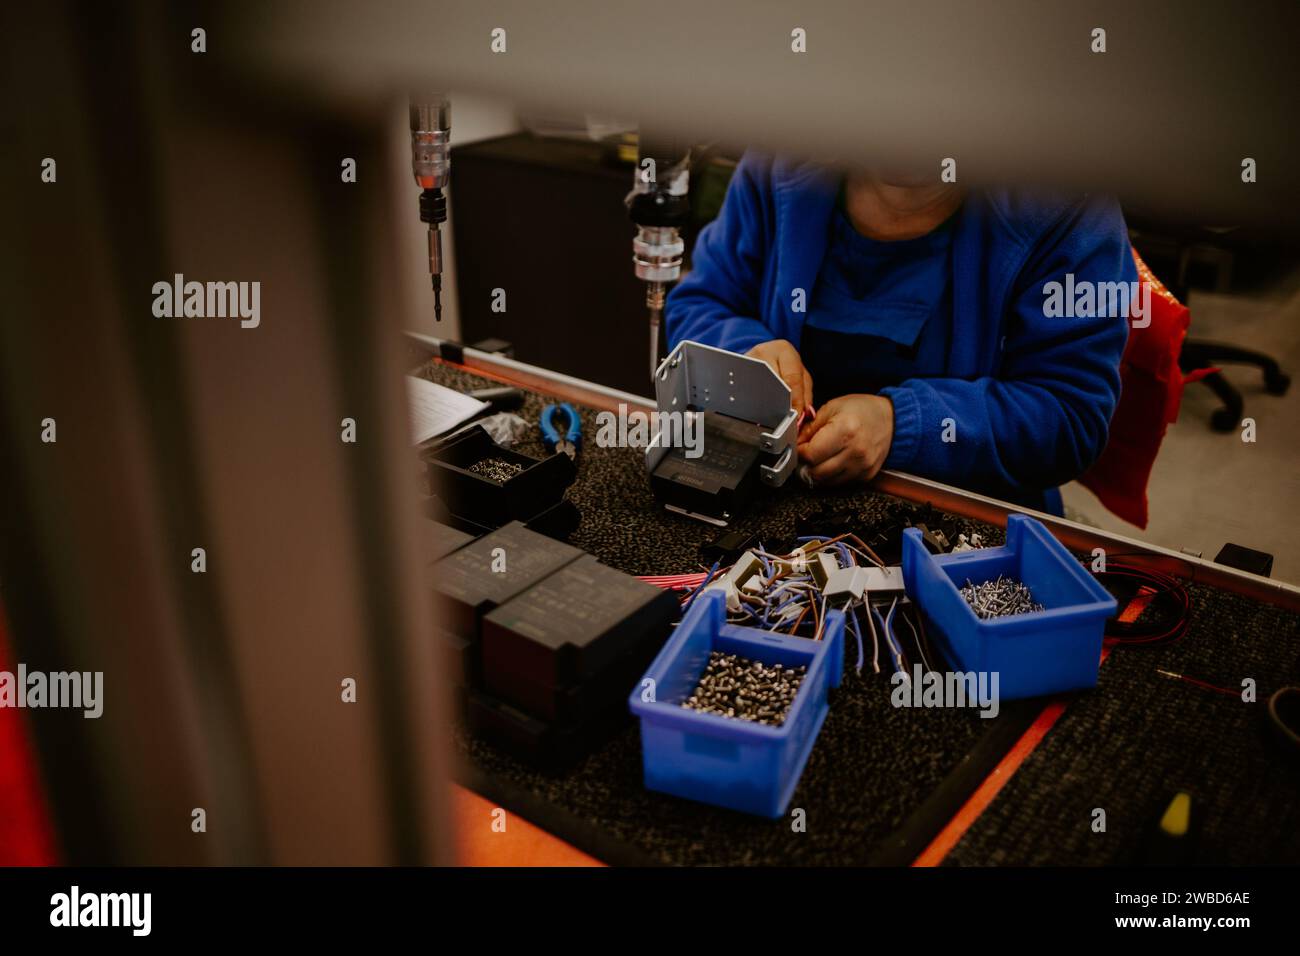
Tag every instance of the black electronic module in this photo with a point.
(478, 577)
(719, 482)
(439, 540)
(576, 641)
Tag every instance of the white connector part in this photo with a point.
(754, 585)
(747, 566)
(802, 560)
(845, 584)
(821, 567)
(883, 582)
(972, 543)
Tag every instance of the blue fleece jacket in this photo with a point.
(1028, 394)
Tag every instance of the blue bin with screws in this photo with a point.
(731, 761)
(1045, 651)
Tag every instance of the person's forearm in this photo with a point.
(1009, 436)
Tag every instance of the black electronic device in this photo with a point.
(1245, 559)
(720, 481)
(439, 540)
(475, 579)
(575, 641)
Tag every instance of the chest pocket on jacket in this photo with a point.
(898, 322)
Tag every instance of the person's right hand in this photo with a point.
(785, 361)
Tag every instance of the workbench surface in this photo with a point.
(882, 781)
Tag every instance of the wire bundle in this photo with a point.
(1165, 616)
(675, 582)
(785, 597)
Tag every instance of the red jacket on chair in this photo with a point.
(1151, 391)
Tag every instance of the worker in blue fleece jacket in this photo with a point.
(918, 321)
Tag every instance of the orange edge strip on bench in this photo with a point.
(520, 843)
(978, 801)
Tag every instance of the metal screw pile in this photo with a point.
(733, 686)
(494, 469)
(1001, 598)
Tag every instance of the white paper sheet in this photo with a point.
(436, 409)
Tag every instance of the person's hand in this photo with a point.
(848, 440)
(785, 361)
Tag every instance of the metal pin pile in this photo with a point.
(1001, 598)
(494, 469)
(734, 686)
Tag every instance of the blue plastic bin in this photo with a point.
(1042, 652)
(722, 760)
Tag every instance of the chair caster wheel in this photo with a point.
(1224, 420)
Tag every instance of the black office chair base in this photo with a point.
(1199, 354)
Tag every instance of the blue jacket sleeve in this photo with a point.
(1043, 419)
(717, 303)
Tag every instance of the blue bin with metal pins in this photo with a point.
(1039, 652)
(728, 761)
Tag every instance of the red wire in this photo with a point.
(674, 582)
(1201, 683)
(1162, 584)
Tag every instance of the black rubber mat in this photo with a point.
(881, 781)
(1126, 748)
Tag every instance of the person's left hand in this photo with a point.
(848, 440)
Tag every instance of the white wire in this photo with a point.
(789, 584)
(894, 649)
(875, 642)
(821, 624)
(916, 637)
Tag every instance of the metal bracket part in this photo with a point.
(701, 378)
(775, 475)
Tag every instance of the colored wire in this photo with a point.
(891, 641)
(674, 582)
(917, 638)
(700, 587)
(857, 632)
(865, 548)
(889, 629)
(1199, 683)
(1168, 600)
(785, 595)
(875, 642)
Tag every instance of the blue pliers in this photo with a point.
(555, 440)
